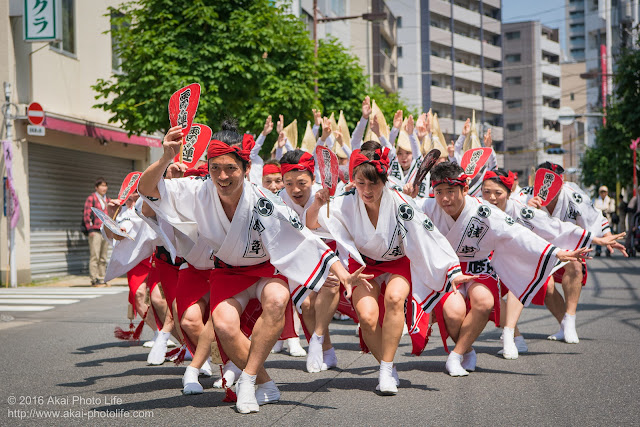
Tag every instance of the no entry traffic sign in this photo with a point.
(35, 114)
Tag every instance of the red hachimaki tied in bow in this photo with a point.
(506, 180)
(219, 148)
(306, 162)
(461, 180)
(380, 160)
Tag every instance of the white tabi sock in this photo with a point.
(329, 359)
(314, 356)
(454, 365)
(558, 336)
(394, 373)
(206, 368)
(267, 393)
(295, 348)
(386, 381)
(521, 344)
(570, 333)
(159, 349)
(149, 344)
(190, 381)
(509, 349)
(469, 361)
(246, 392)
(277, 348)
(230, 373)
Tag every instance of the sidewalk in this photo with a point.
(76, 281)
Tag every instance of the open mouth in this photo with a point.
(224, 184)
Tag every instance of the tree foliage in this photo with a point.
(251, 58)
(610, 159)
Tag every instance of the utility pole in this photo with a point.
(8, 120)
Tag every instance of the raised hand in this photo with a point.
(326, 128)
(397, 119)
(268, 126)
(281, 140)
(172, 142)
(488, 141)
(280, 124)
(410, 126)
(176, 170)
(422, 125)
(338, 136)
(317, 117)
(535, 202)
(375, 126)
(466, 129)
(366, 107)
(451, 149)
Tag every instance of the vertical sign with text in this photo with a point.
(42, 20)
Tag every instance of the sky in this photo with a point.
(549, 12)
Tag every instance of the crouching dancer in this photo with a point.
(258, 246)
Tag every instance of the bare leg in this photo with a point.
(142, 307)
(454, 312)
(325, 305)
(554, 301)
(366, 305)
(513, 311)
(475, 321)
(159, 303)
(394, 297)
(203, 348)
(191, 321)
(572, 285)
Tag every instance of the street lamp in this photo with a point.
(371, 17)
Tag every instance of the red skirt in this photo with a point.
(487, 279)
(417, 320)
(193, 284)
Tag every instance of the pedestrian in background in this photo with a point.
(608, 207)
(97, 245)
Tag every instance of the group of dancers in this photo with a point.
(245, 249)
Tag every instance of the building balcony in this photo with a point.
(389, 25)
(387, 74)
(474, 102)
(550, 46)
(549, 113)
(550, 69)
(551, 91)
(446, 125)
(551, 136)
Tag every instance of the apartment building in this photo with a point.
(532, 93)
(54, 173)
(450, 60)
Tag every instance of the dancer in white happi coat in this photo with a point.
(379, 228)
(571, 204)
(258, 245)
(520, 258)
(496, 190)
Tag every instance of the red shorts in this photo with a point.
(136, 277)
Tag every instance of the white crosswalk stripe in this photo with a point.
(42, 299)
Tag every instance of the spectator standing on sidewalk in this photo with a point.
(97, 245)
(608, 206)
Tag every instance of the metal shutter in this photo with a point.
(60, 180)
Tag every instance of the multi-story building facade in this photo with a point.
(574, 96)
(450, 60)
(532, 95)
(373, 42)
(54, 173)
(586, 33)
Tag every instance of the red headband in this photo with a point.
(270, 169)
(380, 161)
(460, 180)
(201, 171)
(306, 163)
(219, 148)
(506, 180)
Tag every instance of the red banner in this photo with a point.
(183, 106)
(128, 187)
(603, 68)
(329, 168)
(195, 144)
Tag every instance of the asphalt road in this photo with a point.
(67, 360)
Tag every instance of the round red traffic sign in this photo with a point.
(35, 114)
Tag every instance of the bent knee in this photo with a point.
(394, 300)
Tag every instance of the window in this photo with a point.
(572, 96)
(514, 80)
(116, 61)
(399, 50)
(513, 35)
(400, 82)
(399, 21)
(338, 7)
(514, 127)
(68, 43)
(512, 57)
(386, 47)
(514, 103)
(576, 14)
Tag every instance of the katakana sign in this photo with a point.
(42, 20)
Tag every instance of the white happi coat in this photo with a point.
(561, 233)
(301, 211)
(263, 229)
(402, 230)
(573, 206)
(128, 253)
(521, 259)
